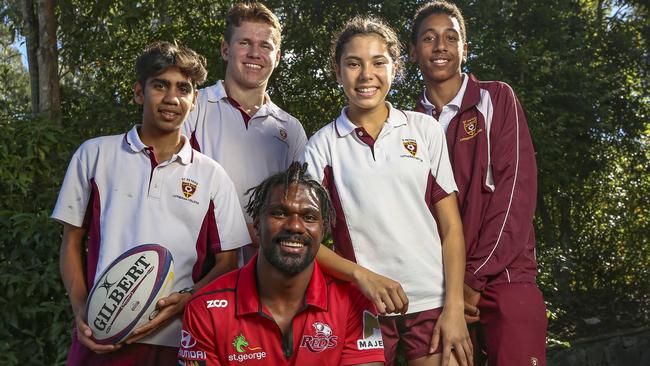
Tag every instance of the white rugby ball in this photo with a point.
(125, 294)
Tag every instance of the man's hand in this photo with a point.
(451, 328)
(471, 298)
(387, 295)
(83, 336)
(168, 307)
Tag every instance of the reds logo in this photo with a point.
(322, 340)
(411, 146)
(188, 187)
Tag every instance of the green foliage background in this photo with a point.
(580, 69)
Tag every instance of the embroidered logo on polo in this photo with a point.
(188, 355)
(533, 361)
(245, 352)
(322, 340)
(283, 134)
(471, 128)
(188, 189)
(371, 333)
(411, 146)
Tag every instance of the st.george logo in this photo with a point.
(216, 303)
(245, 351)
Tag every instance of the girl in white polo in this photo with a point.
(389, 176)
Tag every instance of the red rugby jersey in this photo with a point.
(226, 324)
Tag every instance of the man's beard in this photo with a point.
(288, 263)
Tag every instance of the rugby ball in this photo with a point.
(125, 294)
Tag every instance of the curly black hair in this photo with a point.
(296, 174)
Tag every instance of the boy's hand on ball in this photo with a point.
(166, 309)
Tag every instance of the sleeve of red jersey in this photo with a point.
(507, 222)
(75, 191)
(363, 342)
(231, 230)
(198, 338)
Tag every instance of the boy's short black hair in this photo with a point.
(160, 56)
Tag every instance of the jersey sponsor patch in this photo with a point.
(188, 353)
(322, 340)
(471, 128)
(216, 303)
(244, 351)
(371, 333)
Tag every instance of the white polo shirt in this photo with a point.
(116, 189)
(249, 150)
(384, 191)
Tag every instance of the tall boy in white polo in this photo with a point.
(250, 148)
(352, 166)
(234, 121)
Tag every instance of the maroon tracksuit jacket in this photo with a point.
(494, 166)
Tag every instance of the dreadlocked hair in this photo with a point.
(296, 174)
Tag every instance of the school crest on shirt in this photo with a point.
(411, 146)
(188, 187)
(321, 340)
(471, 128)
(283, 134)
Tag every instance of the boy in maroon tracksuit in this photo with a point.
(494, 167)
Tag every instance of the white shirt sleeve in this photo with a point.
(75, 191)
(228, 215)
(315, 157)
(440, 164)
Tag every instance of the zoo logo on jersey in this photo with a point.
(322, 340)
(242, 347)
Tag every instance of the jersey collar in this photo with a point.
(248, 300)
(344, 126)
(217, 92)
(132, 140)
